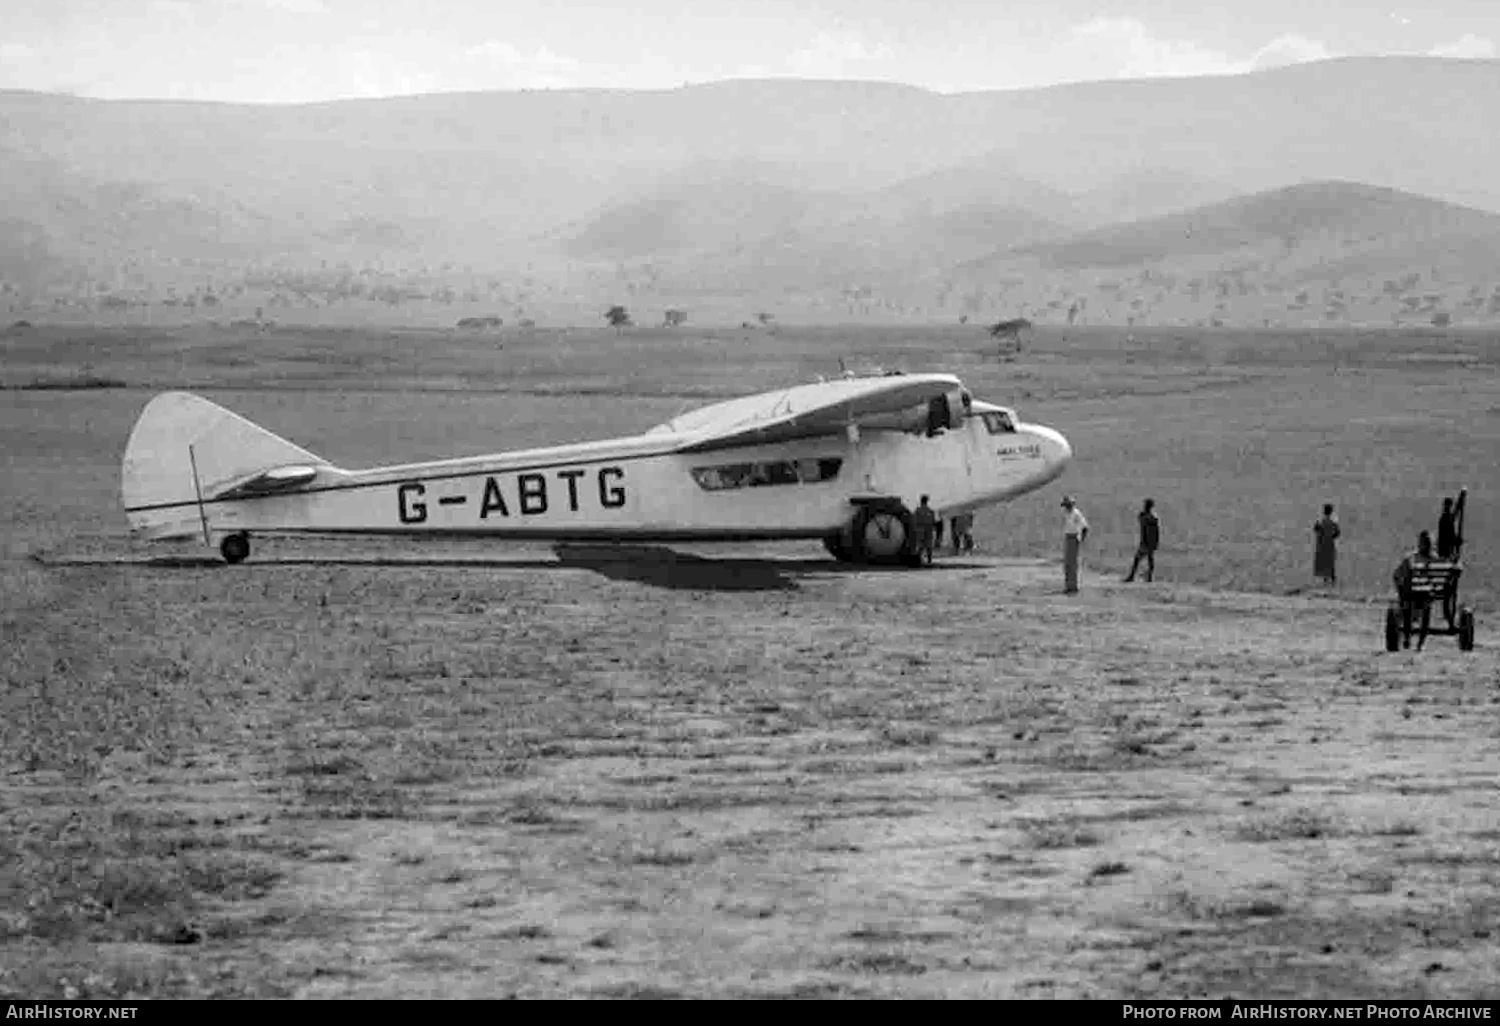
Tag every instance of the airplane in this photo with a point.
(842, 461)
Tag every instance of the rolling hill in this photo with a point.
(1308, 223)
(792, 189)
(705, 208)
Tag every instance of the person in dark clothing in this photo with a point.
(1325, 548)
(1447, 538)
(925, 520)
(1150, 538)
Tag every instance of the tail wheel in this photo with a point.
(883, 534)
(1466, 630)
(235, 547)
(1392, 629)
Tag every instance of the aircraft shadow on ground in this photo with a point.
(439, 563)
(656, 565)
(668, 568)
(665, 567)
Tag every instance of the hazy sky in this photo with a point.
(303, 50)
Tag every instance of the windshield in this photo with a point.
(1000, 422)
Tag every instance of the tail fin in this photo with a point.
(184, 450)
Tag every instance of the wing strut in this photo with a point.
(198, 490)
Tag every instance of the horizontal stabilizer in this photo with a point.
(269, 482)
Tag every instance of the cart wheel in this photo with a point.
(1466, 630)
(1392, 629)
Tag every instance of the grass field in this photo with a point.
(376, 769)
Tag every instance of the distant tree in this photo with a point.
(674, 318)
(765, 318)
(1442, 319)
(1009, 329)
(618, 317)
(481, 323)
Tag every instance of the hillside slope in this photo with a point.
(1328, 216)
(817, 186)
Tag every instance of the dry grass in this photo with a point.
(362, 769)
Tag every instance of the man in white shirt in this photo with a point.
(1075, 530)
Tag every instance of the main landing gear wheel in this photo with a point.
(883, 535)
(235, 547)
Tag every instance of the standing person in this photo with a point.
(1447, 539)
(1075, 530)
(1149, 539)
(1325, 547)
(963, 533)
(1410, 601)
(925, 520)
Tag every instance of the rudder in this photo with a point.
(183, 447)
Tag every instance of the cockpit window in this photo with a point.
(999, 423)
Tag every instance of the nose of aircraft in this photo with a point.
(1058, 451)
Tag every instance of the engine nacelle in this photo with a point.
(947, 411)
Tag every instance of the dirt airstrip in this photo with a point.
(464, 772)
(486, 769)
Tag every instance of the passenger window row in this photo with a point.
(770, 472)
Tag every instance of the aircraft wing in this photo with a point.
(806, 411)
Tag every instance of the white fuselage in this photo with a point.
(638, 488)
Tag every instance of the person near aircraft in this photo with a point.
(925, 521)
(1325, 546)
(1150, 537)
(1447, 534)
(1075, 532)
(1409, 600)
(963, 533)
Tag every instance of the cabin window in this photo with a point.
(812, 471)
(769, 472)
(774, 473)
(999, 423)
